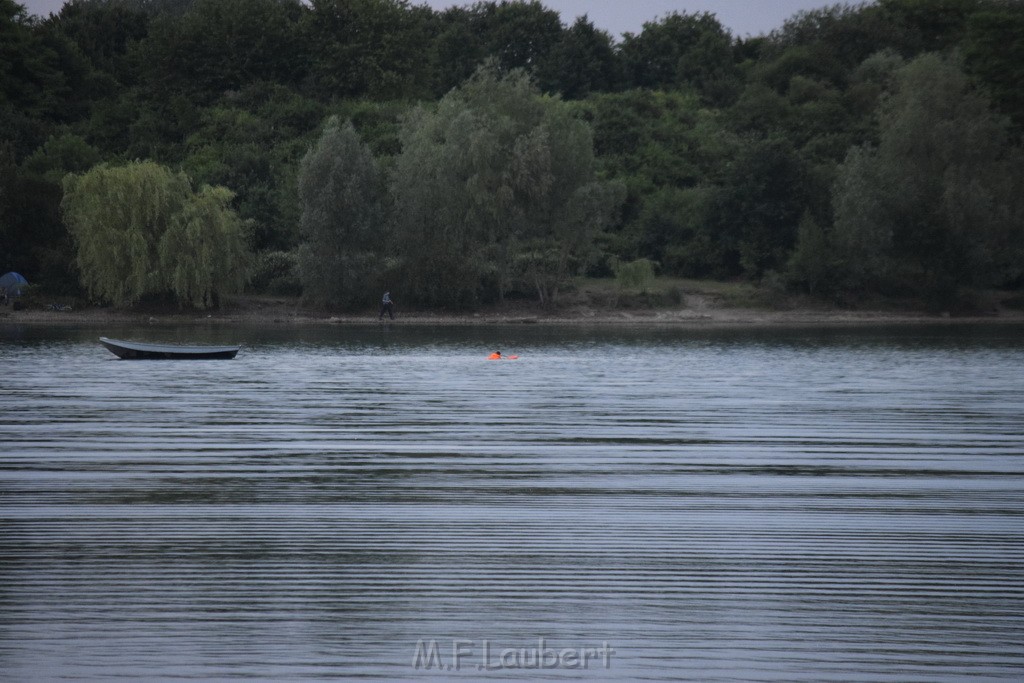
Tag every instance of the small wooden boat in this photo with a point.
(130, 350)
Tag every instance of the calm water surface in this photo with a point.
(714, 505)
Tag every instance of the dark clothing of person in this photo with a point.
(386, 307)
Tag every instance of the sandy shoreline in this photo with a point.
(279, 313)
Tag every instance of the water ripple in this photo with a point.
(764, 506)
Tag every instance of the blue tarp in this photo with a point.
(11, 284)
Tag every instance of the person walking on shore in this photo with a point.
(386, 306)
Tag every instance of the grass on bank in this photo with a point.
(593, 294)
(672, 292)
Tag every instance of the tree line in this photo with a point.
(465, 155)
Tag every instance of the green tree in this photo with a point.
(253, 141)
(662, 136)
(117, 216)
(12, 246)
(103, 31)
(756, 208)
(666, 220)
(518, 34)
(938, 204)
(826, 43)
(522, 33)
(342, 201)
(927, 25)
(45, 250)
(496, 185)
(680, 51)
(994, 52)
(583, 61)
(374, 49)
(452, 209)
(203, 254)
(695, 250)
(140, 230)
(812, 263)
(457, 48)
(60, 155)
(222, 45)
(662, 146)
(24, 66)
(34, 90)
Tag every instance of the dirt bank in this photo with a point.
(694, 309)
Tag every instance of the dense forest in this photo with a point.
(188, 149)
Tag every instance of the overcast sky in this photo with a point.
(742, 17)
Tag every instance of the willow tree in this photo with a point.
(140, 230)
(341, 197)
(203, 252)
(117, 215)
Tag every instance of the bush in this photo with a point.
(276, 272)
(635, 275)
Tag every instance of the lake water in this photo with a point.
(621, 504)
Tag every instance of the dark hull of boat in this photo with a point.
(128, 350)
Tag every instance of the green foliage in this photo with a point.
(342, 200)
(59, 156)
(117, 216)
(683, 51)
(522, 33)
(20, 67)
(929, 25)
(635, 275)
(202, 254)
(36, 241)
(103, 31)
(222, 45)
(39, 73)
(663, 136)
(874, 77)
(371, 49)
(726, 148)
(670, 217)
(677, 229)
(32, 239)
(455, 209)
(581, 62)
(755, 210)
(938, 204)
(276, 272)
(827, 43)
(494, 187)
(140, 230)
(812, 264)
(254, 141)
(11, 248)
(516, 34)
(378, 123)
(994, 52)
